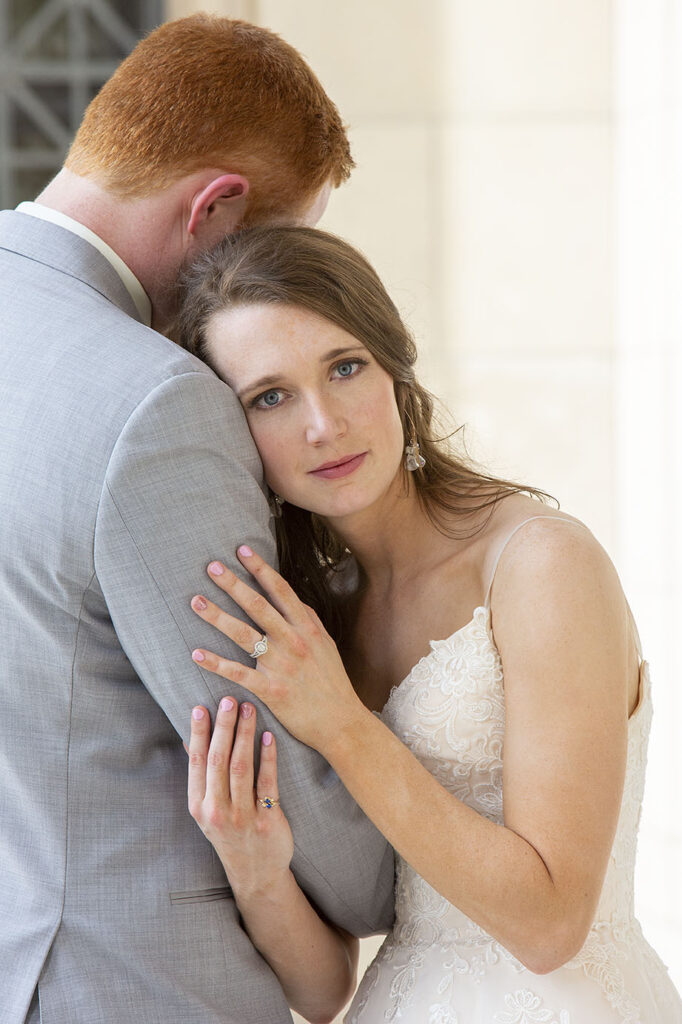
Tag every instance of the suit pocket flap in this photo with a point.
(222, 892)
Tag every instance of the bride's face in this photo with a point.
(320, 408)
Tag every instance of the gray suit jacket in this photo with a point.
(125, 465)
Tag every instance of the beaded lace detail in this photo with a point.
(438, 964)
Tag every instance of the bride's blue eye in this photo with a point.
(268, 400)
(349, 367)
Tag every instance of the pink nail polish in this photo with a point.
(246, 711)
(226, 704)
(216, 569)
(199, 603)
(245, 551)
(198, 714)
(198, 656)
(267, 739)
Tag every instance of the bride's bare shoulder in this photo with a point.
(520, 513)
(546, 549)
(526, 538)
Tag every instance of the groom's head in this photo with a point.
(205, 93)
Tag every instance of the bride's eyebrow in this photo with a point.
(336, 352)
(272, 379)
(263, 382)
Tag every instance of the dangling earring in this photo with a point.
(275, 503)
(413, 457)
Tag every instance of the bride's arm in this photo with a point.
(316, 963)
(560, 624)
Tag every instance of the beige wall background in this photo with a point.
(518, 189)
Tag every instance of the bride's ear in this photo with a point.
(223, 197)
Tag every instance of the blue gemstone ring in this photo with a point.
(260, 647)
(267, 801)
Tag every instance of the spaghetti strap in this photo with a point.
(518, 526)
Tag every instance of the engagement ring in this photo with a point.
(260, 647)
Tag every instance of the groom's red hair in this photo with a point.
(206, 91)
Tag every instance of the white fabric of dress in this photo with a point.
(437, 966)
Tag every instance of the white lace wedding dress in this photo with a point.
(437, 966)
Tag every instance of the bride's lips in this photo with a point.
(342, 467)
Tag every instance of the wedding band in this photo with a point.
(267, 801)
(260, 647)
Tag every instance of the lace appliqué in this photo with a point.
(599, 959)
(524, 1007)
(450, 712)
(439, 1013)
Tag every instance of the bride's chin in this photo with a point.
(330, 507)
(345, 513)
(331, 510)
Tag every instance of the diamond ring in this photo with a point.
(260, 647)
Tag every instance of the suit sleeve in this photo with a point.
(184, 486)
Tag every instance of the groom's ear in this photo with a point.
(224, 197)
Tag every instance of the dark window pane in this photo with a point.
(24, 133)
(54, 95)
(53, 43)
(29, 181)
(19, 12)
(141, 16)
(68, 49)
(101, 43)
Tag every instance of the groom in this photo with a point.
(125, 465)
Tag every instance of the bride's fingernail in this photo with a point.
(246, 711)
(198, 656)
(199, 604)
(216, 569)
(244, 551)
(267, 739)
(226, 704)
(198, 714)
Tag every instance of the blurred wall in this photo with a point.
(491, 193)
(648, 361)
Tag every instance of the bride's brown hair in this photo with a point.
(319, 272)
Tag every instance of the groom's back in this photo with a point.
(108, 893)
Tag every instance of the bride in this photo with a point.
(459, 651)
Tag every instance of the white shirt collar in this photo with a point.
(133, 286)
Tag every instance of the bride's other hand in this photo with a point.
(252, 837)
(300, 676)
(253, 840)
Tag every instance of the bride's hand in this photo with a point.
(300, 677)
(246, 825)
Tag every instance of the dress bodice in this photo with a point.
(450, 712)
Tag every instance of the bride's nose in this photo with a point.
(324, 422)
